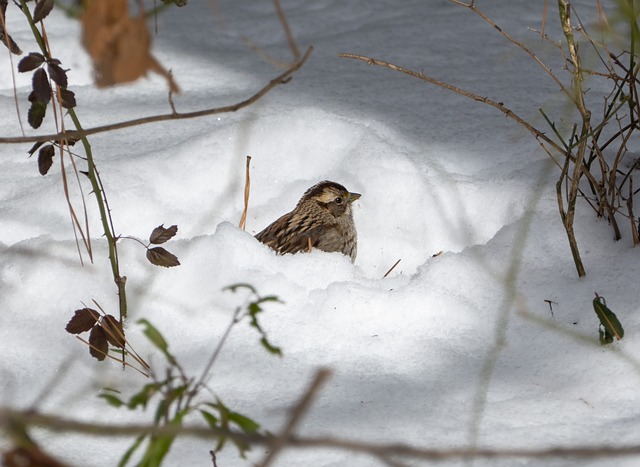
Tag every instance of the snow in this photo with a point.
(438, 173)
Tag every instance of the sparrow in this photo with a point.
(322, 219)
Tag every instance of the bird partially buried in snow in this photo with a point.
(322, 219)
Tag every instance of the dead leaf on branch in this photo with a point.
(119, 45)
(98, 342)
(161, 257)
(45, 158)
(83, 320)
(162, 234)
(4, 37)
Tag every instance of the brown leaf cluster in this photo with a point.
(119, 45)
(104, 331)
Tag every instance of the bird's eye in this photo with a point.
(338, 200)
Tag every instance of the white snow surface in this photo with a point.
(437, 173)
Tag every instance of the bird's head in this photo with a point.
(331, 196)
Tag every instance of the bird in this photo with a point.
(322, 219)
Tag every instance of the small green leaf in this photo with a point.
(235, 287)
(608, 320)
(156, 339)
(244, 423)
(272, 349)
(112, 400)
(211, 419)
(141, 398)
(36, 113)
(127, 455)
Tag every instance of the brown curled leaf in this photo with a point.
(67, 99)
(58, 75)
(161, 257)
(162, 234)
(45, 158)
(41, 86)
(113, 331)
(98, 343)
(82, 320)
(30, 62)
(42, 10)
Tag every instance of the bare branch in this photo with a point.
(12, 418)
(287, 30)
(498, 105)
(520, 45)
(278, 80)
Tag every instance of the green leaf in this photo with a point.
(211, 419)
(36, 113)
(235, 287)
(112, 400)
(272, 349)
(159, 446)
(127, 455)
(156, 339)
(244, 423)
(141, 398)
(608, 320)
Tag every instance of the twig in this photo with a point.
(392, 268)
(247, 190)
(278, 80)
(518, 44)
(287, 30)
(498, 105)
(12, 418)
(301, 408)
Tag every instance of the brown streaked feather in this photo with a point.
(318, 219)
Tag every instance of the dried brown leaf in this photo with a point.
(45, 158)
(83, 320)
(35, 147)
(68, 100)
(113, 331)
(41, 86)
(29, 455)
(161, 257)
(4, 37)
(161, 234)
(119, 45)
(30, 62)
(98, 341)
(43, 8)
(58, 75)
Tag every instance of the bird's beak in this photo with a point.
(354, 196)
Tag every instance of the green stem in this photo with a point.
(95, 183)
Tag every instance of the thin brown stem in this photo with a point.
(278, 80)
